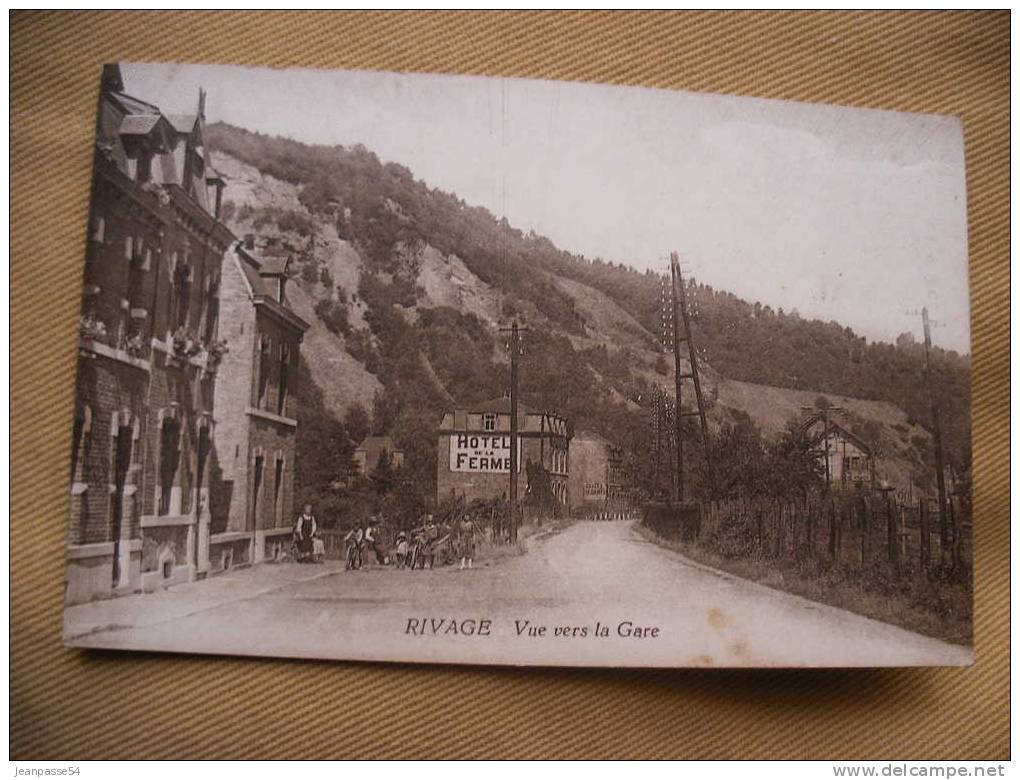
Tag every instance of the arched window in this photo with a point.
(169, 461)
(80, 445)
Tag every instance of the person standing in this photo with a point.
(304, 534)
(467, 542)
(355, 538)
(372, 542)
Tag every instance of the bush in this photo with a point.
(334, 316)
(735, 537)
(310, 272)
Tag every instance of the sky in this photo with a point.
(845, 214)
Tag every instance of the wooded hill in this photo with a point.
(408, 286)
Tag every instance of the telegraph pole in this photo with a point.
(674, 267)
(678, 310)
(693, 353)
(936, 426)
(514, 347)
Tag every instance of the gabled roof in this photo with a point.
(835, 427)
(496, 405)
(274, 265)
(133, 105)
(183, 123)
(139, 124)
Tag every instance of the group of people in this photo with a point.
(411, 551)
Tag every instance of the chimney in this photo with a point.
(249, 242)
(201, 103)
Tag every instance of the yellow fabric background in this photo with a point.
(68, 704)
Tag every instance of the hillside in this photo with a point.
(407, 288)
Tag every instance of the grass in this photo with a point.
(937, 608)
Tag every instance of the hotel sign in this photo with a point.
(485, 453)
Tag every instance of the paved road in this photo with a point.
(589, 580)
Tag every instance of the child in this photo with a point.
(401, 549)
(467, 542)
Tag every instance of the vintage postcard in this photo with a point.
(495, 371)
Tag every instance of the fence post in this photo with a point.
(890, 521)
(809, 517)
(865, 529)
(779, 528)
(832, 530)
(922, 519)
(957, 536)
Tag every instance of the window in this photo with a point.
(169, 460)
(264, 368)
(256, 490)
(278, 492)
(129, 244)
(186, 479)
(98, 229)
(281, 400)
(488, 422)
(182, 295)
(79, 447)
(212, 311)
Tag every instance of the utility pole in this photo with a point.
(514, 347)
(678, 311)
(936, 427)
(674, 267)
(695, 373)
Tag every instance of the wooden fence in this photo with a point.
(850, 529)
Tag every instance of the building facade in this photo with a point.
(144, 423)
(253, 487)
(473, 457)
(596, 480)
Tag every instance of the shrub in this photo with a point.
(310, 272)
(735, 537)
(334, 316)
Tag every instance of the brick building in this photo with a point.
(473, 459)
(143, 425)
(253, 485)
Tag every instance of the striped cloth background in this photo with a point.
(67, 704)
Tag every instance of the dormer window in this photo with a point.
(488, 422)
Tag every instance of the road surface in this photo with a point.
(596, 593)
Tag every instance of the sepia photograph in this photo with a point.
(456, 369)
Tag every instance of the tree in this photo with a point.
(382, 475)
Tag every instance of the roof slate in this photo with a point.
(182, 123)
(138, 124)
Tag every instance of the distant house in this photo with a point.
(596, 477)
(845, 458)
(368, 453)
